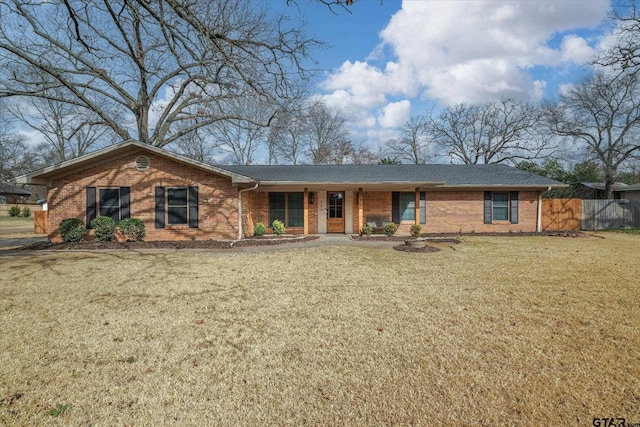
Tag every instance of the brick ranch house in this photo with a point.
(179, 198)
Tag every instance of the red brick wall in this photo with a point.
(462, 211)
(218, 199)
(454, 211)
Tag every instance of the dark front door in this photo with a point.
(335, 212)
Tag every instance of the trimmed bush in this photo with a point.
(14, 211)
(367, 230)
(105, 228)
(259, 229)
(26, 212)
(390, 229)
(415, 230)
(72, 229)
(133, 230)
(278, 227)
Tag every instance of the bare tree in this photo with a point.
(308, 132)
(624, 55)
(16, 157)
(240, 139)
(326, 134)
(286, 136)
(603, 114)
(494, 132)
(69, 130)
(413, 144)
(195, 146)
(157, 64)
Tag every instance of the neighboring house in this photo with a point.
(179, 198)
(632, 192)
(10, 193)
(595, 190)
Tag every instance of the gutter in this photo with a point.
(240, 207)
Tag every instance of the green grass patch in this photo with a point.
(58, 410)
(622, 230)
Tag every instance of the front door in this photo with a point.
(335, 212)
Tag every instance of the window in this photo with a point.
(500, 206)
(408, 207)
(403, 207)
(108, 201)
(177, 212)
(176, 206)
(288, 208)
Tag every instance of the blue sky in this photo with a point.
(393, 59)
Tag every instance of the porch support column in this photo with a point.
(306, 211)
(360, 209)
(417, 205)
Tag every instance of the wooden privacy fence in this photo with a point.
(577, 214)
(561, 214)
(608, 214)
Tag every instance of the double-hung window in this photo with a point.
(176, 206)
(500, 206)
(107, 201)
(288, 208)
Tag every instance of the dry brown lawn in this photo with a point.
(493, 331)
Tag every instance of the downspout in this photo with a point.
(240, 208)
(539, 224)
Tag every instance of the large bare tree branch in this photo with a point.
(145, 61)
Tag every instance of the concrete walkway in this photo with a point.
(19, 234)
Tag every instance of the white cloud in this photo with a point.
(395, 114)
(566, 88)
(455, 51)
(575, 49)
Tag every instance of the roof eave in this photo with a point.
(351, 183)
(524, 186)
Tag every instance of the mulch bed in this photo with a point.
(413, 249)
(453, 237)
(167, 244)
(430, 238)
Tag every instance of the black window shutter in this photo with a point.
(514, 207)
(423, 207)
(193, 207)
(395, 207)
(125, 211)
(91, 205)
(487, 207)
(159, 207)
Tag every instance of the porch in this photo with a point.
(339, 211)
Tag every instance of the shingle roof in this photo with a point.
(6, 188)
(447, 175)
(393, 176)
(617, 186)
